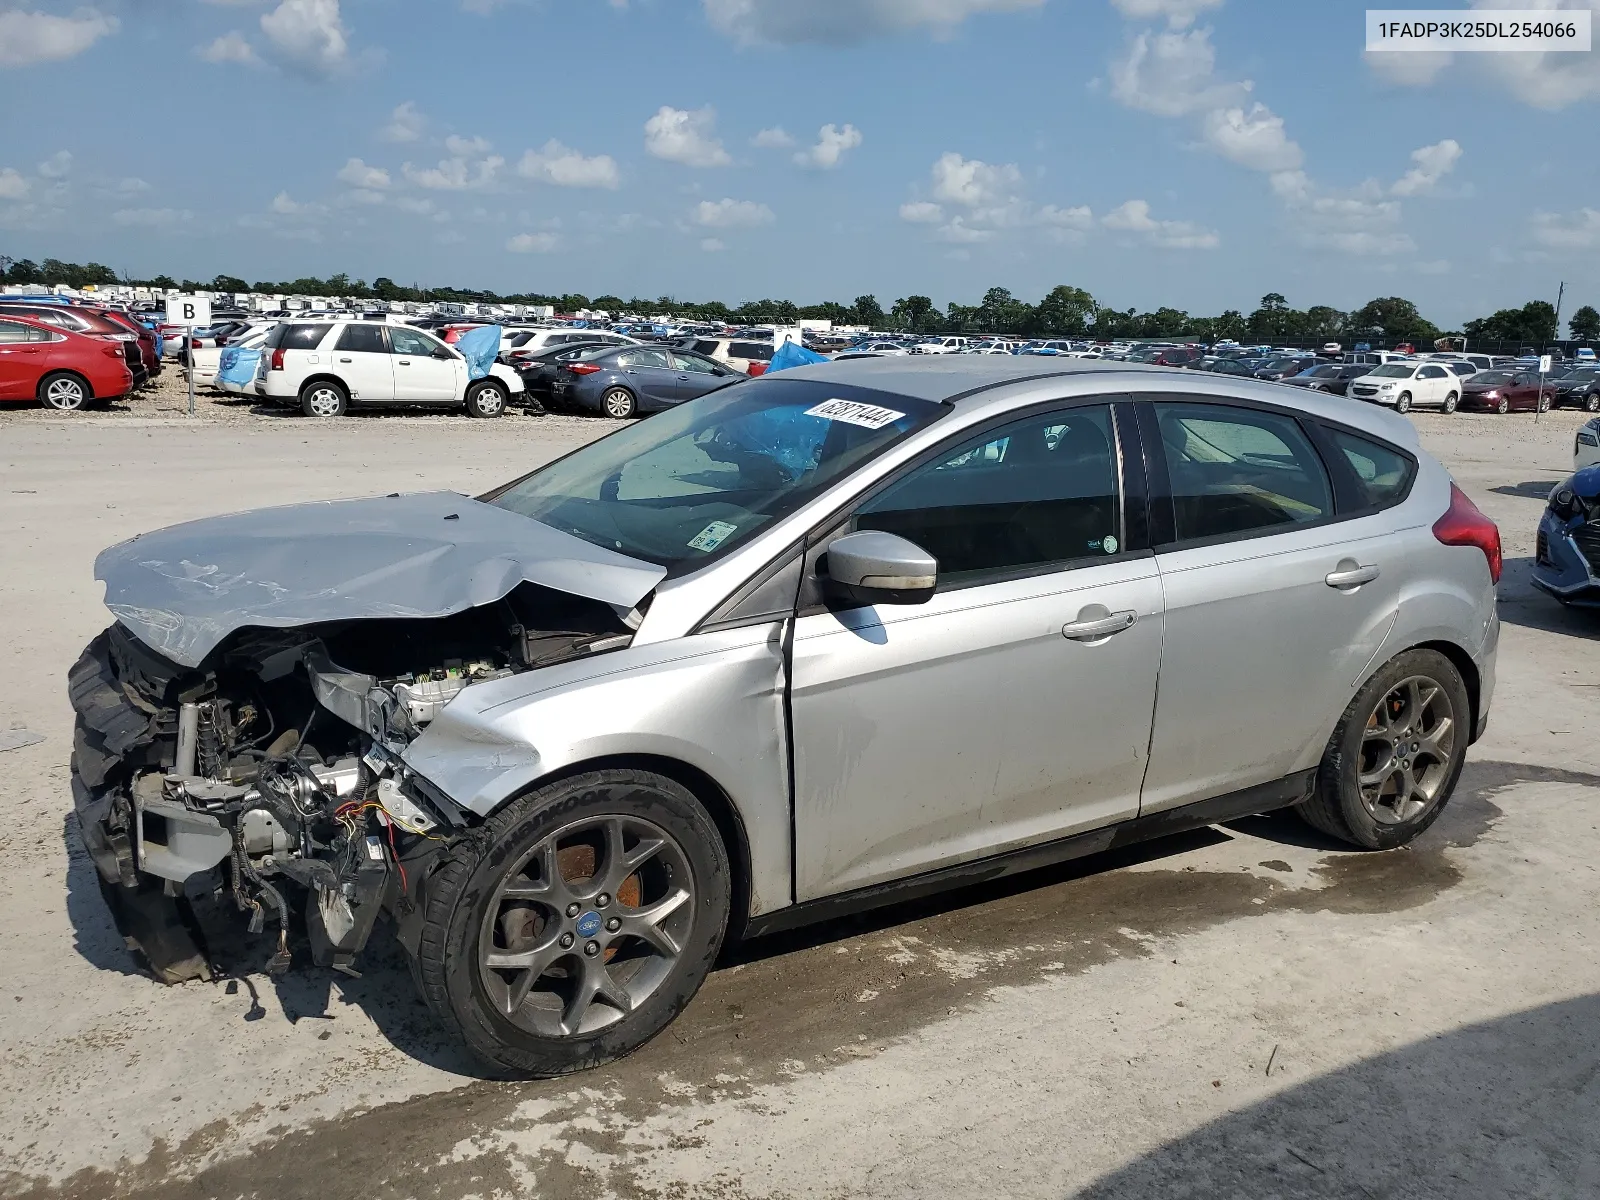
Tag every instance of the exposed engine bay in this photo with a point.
(268, 779)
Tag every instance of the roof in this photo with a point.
(941, 377)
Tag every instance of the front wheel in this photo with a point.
(1403, 404)
(486, 399)
(577, 924)
(1450, 403)
(64, 392)
(1591, 403)
(620, 403)
(324, 399)
(1503, 406)
(1396, 754)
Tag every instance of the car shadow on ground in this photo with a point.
(1505, 1108)
(1536, 489)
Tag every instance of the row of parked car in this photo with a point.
(69, 357)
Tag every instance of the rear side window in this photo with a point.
(11, 331)
(755, 350)
(1383, 474)
(365, 338)
(1237, 471)
(706, 347)
(297, 337)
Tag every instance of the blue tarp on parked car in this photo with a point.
(238, 365)
(479, 347)
(793, 354)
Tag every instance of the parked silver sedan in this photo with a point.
(817, 642)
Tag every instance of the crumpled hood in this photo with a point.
(1586, 483)
(183, 589)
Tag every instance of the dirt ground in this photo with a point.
(1244, 1011)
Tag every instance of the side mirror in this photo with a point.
(443, 352)
(873, 567)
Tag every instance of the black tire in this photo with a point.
(1502, 406)
(1403, 403)
(324, 398)
(1544, 402)
(462, 894)
(620, 403)
(1450, 403)
(1337, 806)
(487, 398)
(65, 391)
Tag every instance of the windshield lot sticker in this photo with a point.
(853, 412)
(712, 536)
(1109, 543)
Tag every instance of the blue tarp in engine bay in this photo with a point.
(479, 347)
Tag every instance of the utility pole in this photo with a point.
(1560, 292)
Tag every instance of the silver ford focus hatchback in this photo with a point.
(824, 640)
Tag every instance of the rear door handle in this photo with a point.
(1351, 576)
(1088, 629)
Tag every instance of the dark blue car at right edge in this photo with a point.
(1567, 556)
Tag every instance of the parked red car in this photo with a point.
(60, 368)
(82, 318)
(1503, 391)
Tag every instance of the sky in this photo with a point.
(1188, 153)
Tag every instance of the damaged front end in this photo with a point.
(266, 775)
(1567, 546)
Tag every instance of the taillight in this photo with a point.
(1463, 524)
(582, 368)
(115, 351)
(277, 360)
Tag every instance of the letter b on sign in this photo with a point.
(188, 310)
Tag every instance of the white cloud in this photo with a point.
(455, 174)
(685, 136)
(832, 145)
(462, 147)
(231, 47)
(1574, 231)
(1172, 75)
(359, 175)
(564, 167)
(1253, 139)
(1355, 222)
(1409, 68)
(921, 212)
(732, 214)
(57, 166)
(418, 206)
(308, 35)
(364, 196)
(1078, 218)
(13, 185)
(151, 218)
(1433, 164)
(712, 245)
(1133, 216)
(132, 185)
(36, 37)
(285, 205)
(775, 138)
(1179, 14)
(842, 21)
(533, 243)
(959, 232)
(1439, 266)
(405, 124)
(972, 183)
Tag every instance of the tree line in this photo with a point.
(1065, 311)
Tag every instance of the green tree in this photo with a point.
(1585, 324)
(867, 311)
(1066, 310)
(1001, 312)
(229, 283)
(1163, 323)
(1393, 317)
(1534, 322)
(1274, 302)
(915, 314)
(1231, 324)
(1323, 322)
(24, 270)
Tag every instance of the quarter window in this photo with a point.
(643, 358)
(1039, 491)
(1236, 471)
(1383, 474)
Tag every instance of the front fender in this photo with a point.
(713, 701)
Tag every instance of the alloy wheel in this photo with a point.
(65, 394)
(1406, 750)
(618, 403)
(586, 926)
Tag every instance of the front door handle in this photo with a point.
(1092, 625)
(1350, 574)
(344, 360)
(403, 362)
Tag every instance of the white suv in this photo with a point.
(940, 345)
(326, 366)
(1404, 383)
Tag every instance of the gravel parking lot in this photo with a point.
(1244, 1011)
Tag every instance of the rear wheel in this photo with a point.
(324, 398)
(620, 403)
(577, 923)
(1403, 404)
(1450, 402)
(64, 392)
(1395, 757)
(1544, 402)
(486, 399)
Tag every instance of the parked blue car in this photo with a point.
(624, 381)
(1567, 552)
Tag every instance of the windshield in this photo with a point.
(1495, 377)
(695, 481)
(1323, 372)
(1395, 371)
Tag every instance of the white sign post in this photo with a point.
(189, 311)
(1544, 369)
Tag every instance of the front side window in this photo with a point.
(367, 339)
(695, 364)
(409, 341)
(1236, 471)
(1040, 491)
(642, 358)
(697, 480)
